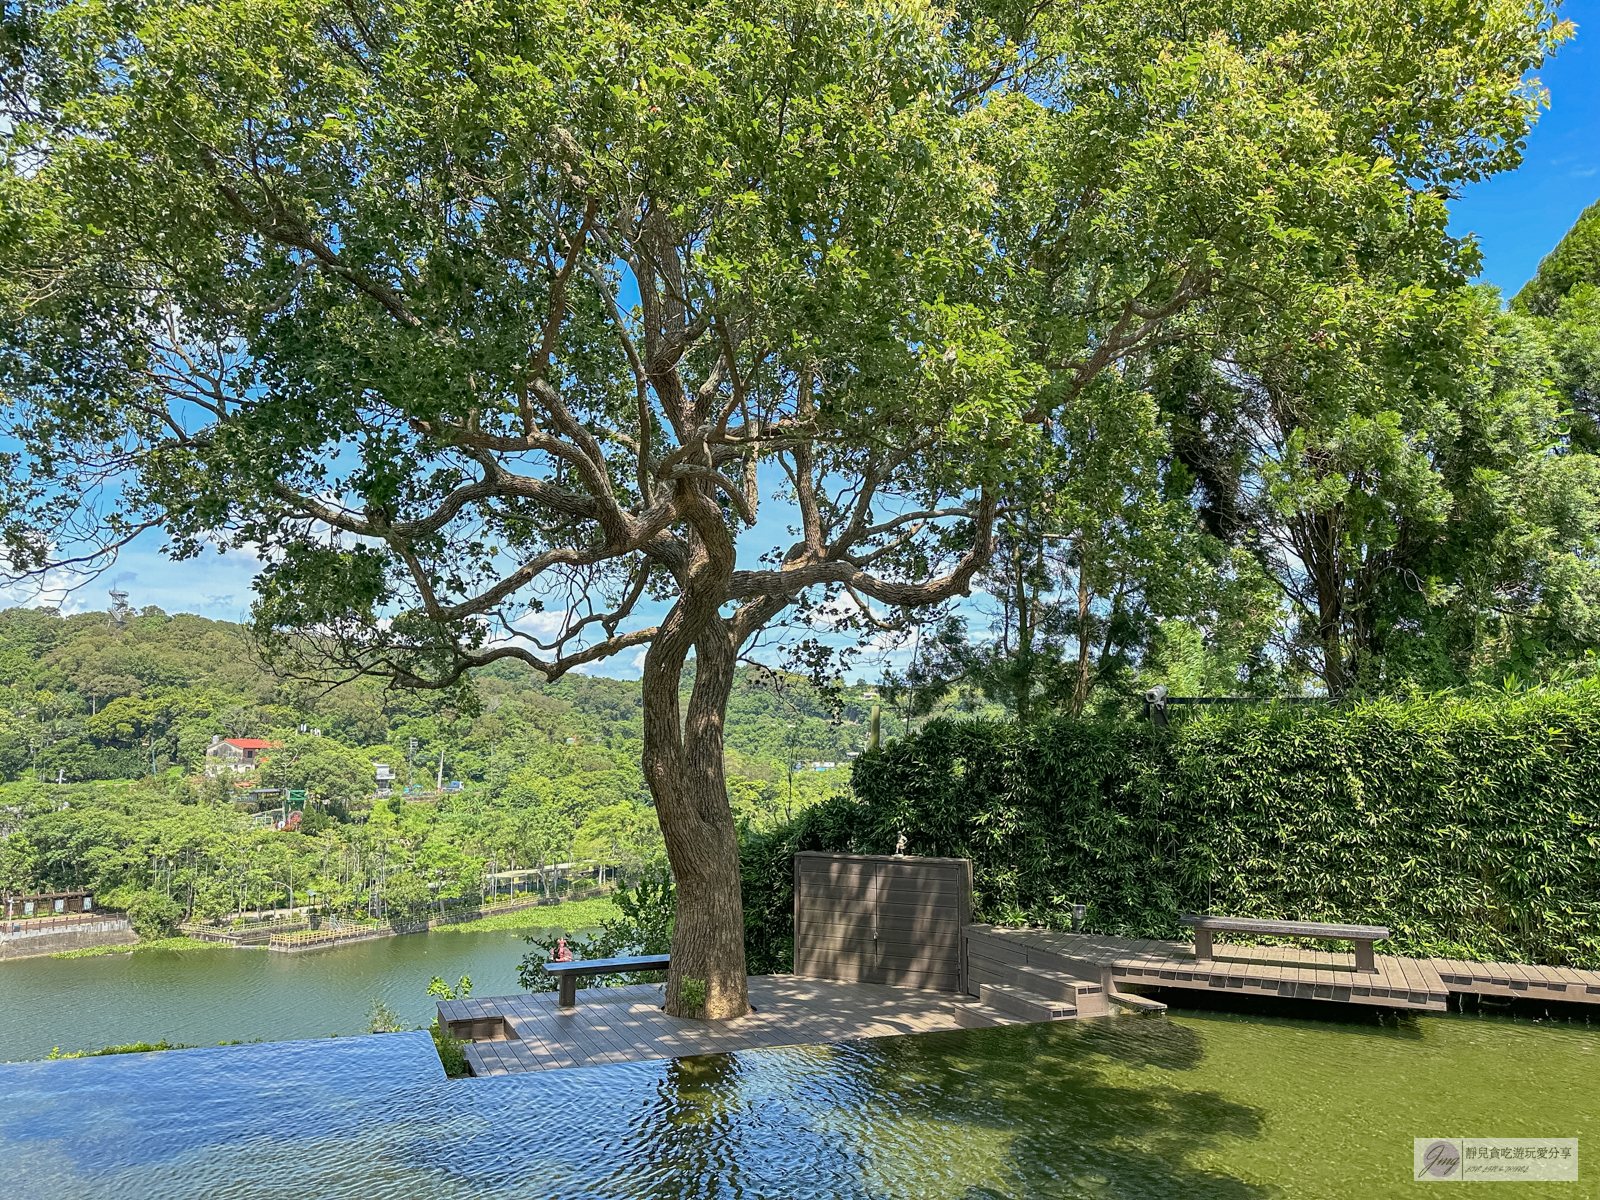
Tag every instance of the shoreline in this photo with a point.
(592, 910)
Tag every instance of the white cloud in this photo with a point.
(543, 625)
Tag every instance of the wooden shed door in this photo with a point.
(879, 919)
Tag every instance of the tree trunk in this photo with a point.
(683, 765)
(1025, 615)
(1079, 699)
(1319, 549)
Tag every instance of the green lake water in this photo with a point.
(1214, 1105)
(202, 997)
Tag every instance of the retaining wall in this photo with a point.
(29, 939)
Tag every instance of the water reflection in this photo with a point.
(1204, 1106)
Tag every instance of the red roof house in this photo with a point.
(236, 754)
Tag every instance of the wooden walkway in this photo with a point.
(1286, 971)
(612, 1025)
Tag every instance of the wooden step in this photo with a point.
(983, 1016)
(1057, 985)
(1020, 1002)
(1139, 1003)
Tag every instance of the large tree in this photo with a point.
(458, 312)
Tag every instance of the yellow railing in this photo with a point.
(351, 930)
(316, 937)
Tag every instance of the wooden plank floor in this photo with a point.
(612, 1025)
(1287, 971)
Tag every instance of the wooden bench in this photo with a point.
(1362, 936)
(568, 972)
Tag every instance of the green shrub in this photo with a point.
(766, 866)
(1470, 827)
(383, 1019)
(643, 926)
(154, 915)
(451, 1055)
(129, 1048)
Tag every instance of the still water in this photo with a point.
(1203, 1105)
(201, 997)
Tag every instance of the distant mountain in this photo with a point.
(89, 696)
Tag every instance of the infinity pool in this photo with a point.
(1213, 1106)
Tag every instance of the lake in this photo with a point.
(200, 997)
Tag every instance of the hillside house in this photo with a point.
(236, 754)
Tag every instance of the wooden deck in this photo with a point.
(612, 1025)
(1423, 984)
(516, 1034)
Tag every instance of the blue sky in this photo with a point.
(1520, 216)
(1517, 218)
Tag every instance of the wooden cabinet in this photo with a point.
(868, 918)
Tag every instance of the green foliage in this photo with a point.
(154, 915)
(383, 1019)
(319, 766)
(568, 914)
(127, 1048)
(438, 987)
(872, 247)
(1575, 261)
(766, 865)
(643, 925)
(1099, 546)
(553, 773)
(572, 746)
(1468, 826)
(452, 1057)
(167, 943)
(692, 992)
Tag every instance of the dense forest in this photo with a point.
(120, 707)
(96, 695)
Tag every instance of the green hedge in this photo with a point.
(1470, 827)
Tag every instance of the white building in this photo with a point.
(235, 754)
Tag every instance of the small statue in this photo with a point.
(900, 847)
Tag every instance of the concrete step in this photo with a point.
(983, 1016)
(1020, 1002)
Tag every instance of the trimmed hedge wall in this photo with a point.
(1470, 827)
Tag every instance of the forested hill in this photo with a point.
(552, 771)
(91, 697)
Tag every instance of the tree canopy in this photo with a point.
(458, 313)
